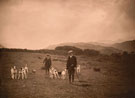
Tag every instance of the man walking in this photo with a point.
(71, 66)
(47, 62)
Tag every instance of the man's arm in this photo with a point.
(44, 60)
(50, 62)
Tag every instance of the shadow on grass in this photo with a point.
(3, 92)
(83, 81)
(81, 84)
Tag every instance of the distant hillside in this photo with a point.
(95, 46)
(80, 45)
(1, 46)
(125, 46)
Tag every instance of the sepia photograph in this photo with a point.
(67, 48)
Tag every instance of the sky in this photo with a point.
(36, 24)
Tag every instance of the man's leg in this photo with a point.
(48, 71)
(69, 78)
(45, 71)
(69, 73)
(73, 72)
(14, 76)
(72, 77)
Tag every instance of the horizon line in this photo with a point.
(47, 47)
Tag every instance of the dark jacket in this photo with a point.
(47, 63)
(71, 62)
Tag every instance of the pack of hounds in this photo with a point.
(54, 74)
(21, 73)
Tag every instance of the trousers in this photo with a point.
(71, 73)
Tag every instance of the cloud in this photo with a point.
(38, 23)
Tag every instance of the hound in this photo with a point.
(63, 74)
(20, 76)
(78, 69)
(13, 72)
(33, 71)
(53, 73)
(25, 71)
(56, 75)
(24, 74)
(26, 68)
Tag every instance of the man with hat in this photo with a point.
(47, 61)
(71, 65)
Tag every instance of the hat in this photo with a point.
(70, 51)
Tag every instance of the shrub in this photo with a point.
(77, 51)
(91, 52)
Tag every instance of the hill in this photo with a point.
(80, 45)
(125, 46)
(1, 46)
(102, 48)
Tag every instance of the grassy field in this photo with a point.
(112, 81)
